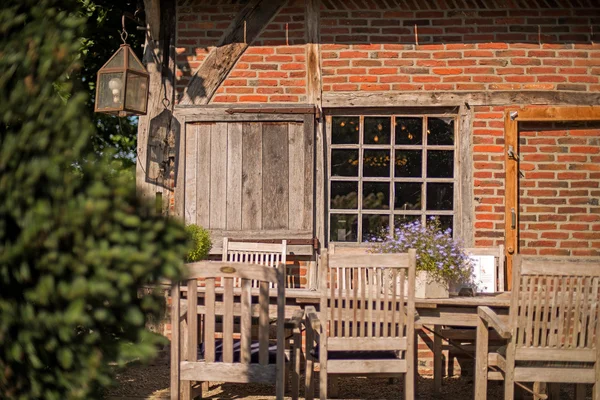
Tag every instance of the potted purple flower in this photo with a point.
(440, 258)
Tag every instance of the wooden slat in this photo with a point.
(538, 312)
(246, 321)
(255, 247)
(228, 321)
(547, 312)
(585, 113)
(192, 320)
(252, 161)
(576, 321)
(175, 366)
(554, 310)
(309, 173)
(369, 284)
(234, 176)
(377, 297)
(203, 135)
(366, 366)
(219, 269)
(348, 304)
(566, 355)
(360, 260)
(366, 344)
(593, 315)
(386, 304)
(571, 375)
(356, 322)
(263, 330)
(297, 184)
(585, 313)
(275, 194)
(209, 321)
(218, 176)
(191, 168)
(228, 372)
(578, 266)
(363, 302)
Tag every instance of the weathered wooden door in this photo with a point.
(250, 178)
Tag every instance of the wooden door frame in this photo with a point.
(512, 117)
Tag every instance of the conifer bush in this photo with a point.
(75, 243)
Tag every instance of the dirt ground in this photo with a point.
(152, 382)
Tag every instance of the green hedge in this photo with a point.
(75, 243)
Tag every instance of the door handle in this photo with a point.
(513, 218)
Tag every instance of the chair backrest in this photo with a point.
(267, 254)
(368, 300)
(219, 310)
(499, 257)
(554, 309)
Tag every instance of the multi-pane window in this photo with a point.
(389, 170)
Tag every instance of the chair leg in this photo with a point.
(297, 351)
(481, 360)
(539, 390)
(596, 391)
(334, 387)
(323, 370)
(437, 359)
(580, 391)
(309, 382)
(554, 391)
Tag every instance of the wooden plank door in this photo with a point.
(250, 177)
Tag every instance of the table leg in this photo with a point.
(437, 359)
(481, 360)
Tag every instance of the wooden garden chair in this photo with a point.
(461, 341)
(366, 322)
(553, 328)
(224, 349)
(268, 254)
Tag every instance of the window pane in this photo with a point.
(400, 220)
(378, 130)
(376, 163)
(440, 163)
(344, 195)
(445, 221)
(374, 226)
(409, 130)
(440, 131)
(409, 163)
(440, 196)
(343, 227)
(344, 162)
(344, 130)
(407, 196)
(376, 195)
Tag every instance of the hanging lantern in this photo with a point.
(122, 83)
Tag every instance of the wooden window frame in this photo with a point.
(512, 117)
(391, 212)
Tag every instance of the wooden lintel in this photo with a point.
(242, 32)
(272, 110)
(496, 98)
(586, 113)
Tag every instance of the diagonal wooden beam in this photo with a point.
(244, 29)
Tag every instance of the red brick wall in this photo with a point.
(560, 190)
(495, 46)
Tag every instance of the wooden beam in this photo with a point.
(313, 55)
(159, 58)
(589, 113)
(511, 194)
(497, 98)
(242, 32)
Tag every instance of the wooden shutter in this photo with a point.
(250, 179)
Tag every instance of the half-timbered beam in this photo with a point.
(244, 29)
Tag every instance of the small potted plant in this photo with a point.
(440, 258)
(200, 243)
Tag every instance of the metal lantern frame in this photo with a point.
(127, 71)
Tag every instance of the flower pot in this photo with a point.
(428, 288)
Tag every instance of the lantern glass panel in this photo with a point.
(111, 87)
(136, 96)
(118, 61)
(134, 63)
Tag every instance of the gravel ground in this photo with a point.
(152, 382)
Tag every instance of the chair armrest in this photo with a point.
(312, 318)
(493, 321)
(295, 321)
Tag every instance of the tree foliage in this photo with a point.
(75, 243)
